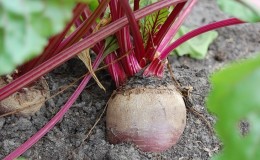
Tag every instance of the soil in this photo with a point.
(66, 139)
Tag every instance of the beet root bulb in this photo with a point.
(151, 118)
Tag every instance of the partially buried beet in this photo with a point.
(152, 117)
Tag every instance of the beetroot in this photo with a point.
(152, 118)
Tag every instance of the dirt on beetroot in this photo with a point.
(68, 139)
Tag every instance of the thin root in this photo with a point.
(172, 75)
(186, 93)
(95, 124)
(195, 112)
(99, 118)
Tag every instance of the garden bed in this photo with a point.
(66, 139)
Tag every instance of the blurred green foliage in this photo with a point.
(196, 47)
(247, 10)
(235, 97)
(26, 25)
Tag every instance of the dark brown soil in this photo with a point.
(64, 141)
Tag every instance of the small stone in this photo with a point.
(198, 122)
(2, 122)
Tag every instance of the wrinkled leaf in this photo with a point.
(152, 23)
(198, 46)
(235, 96)
(111, 45)
(84, 56)
(247, 10)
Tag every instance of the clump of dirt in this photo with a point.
(66, 139)
(27, 101)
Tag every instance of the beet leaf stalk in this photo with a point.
(129, 40)
(160, 60)
(156, 68)
(76, 48)
(198, 31)
(35, 138)
(131, 65)
(155, 37)
(62, 57)
(137, 38)
(54, 42)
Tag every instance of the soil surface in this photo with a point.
(66, 139)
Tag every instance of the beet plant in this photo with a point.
(130, 38)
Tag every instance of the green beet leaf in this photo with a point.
(144, 3)
(20, 158)
(151, 24)
(111, 45)
(247, 10)
(196, 47)
(235, 97)
(93, 4)
(26, 25)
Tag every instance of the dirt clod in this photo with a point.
(27, 101)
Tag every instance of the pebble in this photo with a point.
(2, 122)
